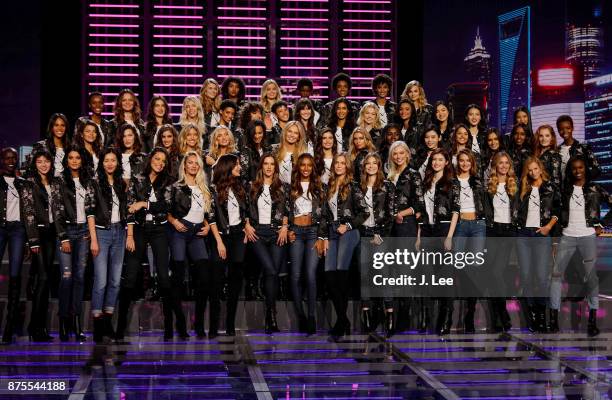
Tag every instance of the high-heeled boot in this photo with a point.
(271, 324)
(168, 317)
(125, 299)
(64, 329)
(366, 320)
(12, 309)
(389, 324)
(528, 314)
(213, 323)
(200, 310)
(107, 325)
(553, 326)
(592, 329)
(181, 324)
(98, 329)
(79, 336)
(468, 318)
(423, 317)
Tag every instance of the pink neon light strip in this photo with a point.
(246, 76)
(180, 7)
(113, 15)
(362, 49)
(368, 30)
(366, 69)
(242, 47)
(110, 74)
(242, 8)
(130, 35)
(306, 39)
(304, 48)
(178, 16)
(178, 75)
(113, 26)
(114, 5)
(96, 64)
(301, 76)
(306, 1)
(243, 57)
(366, 40)
(177, 26)
(113, 55)
(369, 11)
(304, 9)
(112, 45)
(174, 94)
(177, 66)
(304, 58)
(288, 28)
(366, 59)
(112, 84)
(195, 85)
(297, 67)
(382, 21)
(243, 18)
(243, 66)
(178, 36)
(368, 1)
(180, 46)
(244, 28)
(178, 55)
(242, 37)
(305, 19)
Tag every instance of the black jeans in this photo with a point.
(155, 235)
(270, 256)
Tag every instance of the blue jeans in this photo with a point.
(341, 248)
(182, 243)
(587, 246)
(13, 234)
(107, 268)
(270, 256)
(470, 235)
(533, 252)
(70, 291)
(304, 256)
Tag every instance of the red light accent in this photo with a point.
(556, 77)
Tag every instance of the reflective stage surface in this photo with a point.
(253, 365)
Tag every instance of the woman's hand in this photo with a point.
(321, 246)
(249, 233)
(544, 231)
(95, 249)
(65, 247)
(129, 244)
(448, 243)
(221, 249)
(342, 229)
(132, 209)
(282, 235)
(179, 226)
(210, 161)
(204, 231)
(398, 218)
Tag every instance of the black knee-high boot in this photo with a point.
(344, 285)
(468, 318)
(200, 310)
(125, 299)
(181, 325)
(423, 317)
(12, 309)
(334, 295)
(167, 308)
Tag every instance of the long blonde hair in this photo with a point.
(210, 105)
(511, 179)
(364, 107)
(267, 105)
(391, 166)
(422, 100)
(341, 186)
(213, 149)
(526, 181)
(182, 138)
(199, 119)
(352, 150)
(200, 178)
(299, 148)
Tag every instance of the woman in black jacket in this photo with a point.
(106, 217)
(56, 141)
(545, 148)
(127, 110)
(255, 147)
(406, 118)
(158, 115)
(95, 101)
(341, 122)
(43, 242)
(167, 138)
(268, 200)
(477, 125)
(132, 160)
(443, 121)
(519, 148)
(88, 139)
(148, 204)
(581, 222)
(493, 145)
(231, 229)
(189, 216)
(71, 195)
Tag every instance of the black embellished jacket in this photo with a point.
(478, 193)
(26, 207)
(180, 201)
(140, 190)
(594, 196)
(101, 203)
(550, 205)
(584, 150)
(36, 203)
(552, 163)
(64, 203)
(408, 192)
(383, 206)
(445, 205)
(280, 207)
(352, 210)
(220, 212)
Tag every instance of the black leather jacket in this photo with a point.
(383, 206)
(140, 126)
(390, 109)
(550, 205)
(594, 195)
(107, 127)
(478, 192)
(280, 207)
(26, 211)
(140, 190)
(101, 203)
(180, 201)
(518, 156)
(488, 205)
(221, 215)
(552, 163)
(317, 212)
(445, 205)
(327, 109)
(352, 211)
(584, 150)
(138, 162)
(357, 163)
(408, 192)
(64, 203)
(36, 203)
(424, 117)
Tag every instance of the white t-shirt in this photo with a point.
(196, 211)
(80, 201)
(370, 205)
(501, 205)
(423, 167)
(152, 199)
(96, 160)
(383, 115)
(57, 161)
(264, 206)
(533, 212)
(233, 209)
(475, 146)
(466, 197)
(339, 138)
(285, 169)
(430, 196)
(327, 172)
(576, 226)
(12, 200)
(115, 217)
(333, 205)
(48, 189)
(303, 204)
(564, 151)
(127, 167)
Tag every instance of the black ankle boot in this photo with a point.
(311, 326)
(268, 322)
(389, 324)
(283, 288)
(302, 324)
(168, 318)
(366, 320)
(181, 324)
(64, 329)
(528, 314)
(468, 318)
(108, 330)
(445, 318)
(423, 321)
(592, 329)
(553, 327)
(504, 317)
(98, 329)
(12, 309)
(79, 336)
(122, 318)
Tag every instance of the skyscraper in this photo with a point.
(478, 61)
(584, 36)
(514, 29)
(598, 123)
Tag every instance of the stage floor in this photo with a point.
(253, 365)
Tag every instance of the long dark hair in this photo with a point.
(309, 128)
(488, 152)
(224, 180)
(333, 119)
(527, 143)
(166, 119)
(528, 126)
(117, 175)
(482, 124)
(174, 150)
(33, 172)
(79, 140)
(136, 148)
(380, 176)
(412, 121)
(314, 187)
(83, 170)
(50, 141)
(319, 155)
(248, 108)
(118, 111)
(276, 188)
(165, 173)
(447, 176)
(454, 145)
(251, 133)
